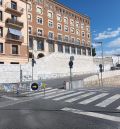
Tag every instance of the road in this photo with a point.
(94, 108)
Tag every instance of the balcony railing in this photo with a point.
(17, 10)
(14, 38)
(15, 23)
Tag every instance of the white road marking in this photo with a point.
(58, 94)
(108, 101)
(30, 92)
(67, 96)
(11, 98)
(92, 114)
(39, 93)
(118, 108)
(87, 101)
(79, 97)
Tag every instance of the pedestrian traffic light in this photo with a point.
(100, 66)
(71, 64)
(33, 62)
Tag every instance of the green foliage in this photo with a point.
(93, 52)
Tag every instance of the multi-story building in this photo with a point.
(13, 32)
(54, 27)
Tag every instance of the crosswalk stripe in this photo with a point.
(67, 96)
(59, 94)
(87, 101)
(11, 98)
(51, 90)
(31, 91)
(92, 114)
(108, 101)
(79, 97)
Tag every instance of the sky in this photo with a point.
(105, 22)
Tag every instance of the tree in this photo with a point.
(93, 52)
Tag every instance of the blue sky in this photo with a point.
(105, 22)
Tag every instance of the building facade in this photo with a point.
(13, 32)
(54, 27)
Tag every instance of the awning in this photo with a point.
(15, 32)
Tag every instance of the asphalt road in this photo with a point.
(58, 109)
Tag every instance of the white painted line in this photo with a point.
(108, 101)
(79, 97)
(30, 92)
(87, 101)
(59, 94)
(67, 96)
(118, 108)
(11, 98)
(39, 93)
(92, 114)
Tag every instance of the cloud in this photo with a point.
(115, 43)
(96, 45)
(108, 34)
(109, 53)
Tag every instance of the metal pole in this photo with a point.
(102, 56)
(101, 80)
(32, 62)
(70, 78)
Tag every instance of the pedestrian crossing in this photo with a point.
(98, 98)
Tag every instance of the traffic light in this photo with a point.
(71, 64)
(33, 62)
(100, 66)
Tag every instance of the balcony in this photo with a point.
(14, 38)
(13, 10)
(14, 23)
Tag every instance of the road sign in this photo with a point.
(34, 86)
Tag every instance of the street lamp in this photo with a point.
(101, 43)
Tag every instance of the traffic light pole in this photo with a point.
(70, 78)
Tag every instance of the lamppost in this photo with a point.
(101, 43)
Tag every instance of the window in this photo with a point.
(83, 42)
(1, 16)
(1, 31)
(84, 51)
(14, 18)
(1, 47)
(82, 26)
(14, 62)
(39, 32)
(72, 30)
(50, 15)
(14, 49)
(13, 5)
(29, 17)
(72, 40)
(60, 37)
(50, 24)
(71, 22)
(77, 32)
(1, 2)
(77, 24)
(83, 34)
(73, 50)
(1, 62)
(59, 26)
(59, 18)
(50, 35)
(30, 42)
(39, 20)
(51, 46)
(67, 49)
(30, 30)
(60, 47)
(88, 36)
(29, 7)
(66, 28)
(39, 10)
(65, 20)
(66, 38)
(78, 41)
(39, 1)
(40, 45)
